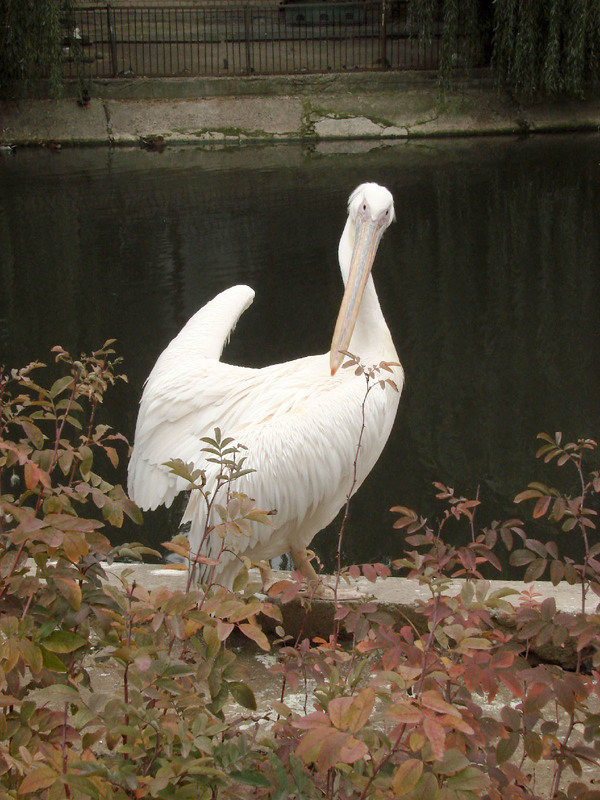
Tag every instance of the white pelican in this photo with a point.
(300, 421)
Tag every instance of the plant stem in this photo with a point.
(336, 621)
(63, 746)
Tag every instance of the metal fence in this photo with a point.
(311, 37)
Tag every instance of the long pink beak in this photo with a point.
(367, 238)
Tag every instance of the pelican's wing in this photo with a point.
(301, 428)
(182, 397)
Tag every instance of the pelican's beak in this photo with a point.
(366, 241)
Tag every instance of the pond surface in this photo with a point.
(489, 282)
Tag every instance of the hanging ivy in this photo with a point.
(552, 46)
(31, 33)
(549, 46)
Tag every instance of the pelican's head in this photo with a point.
(370, 212)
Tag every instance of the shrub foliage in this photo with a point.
(109, 689)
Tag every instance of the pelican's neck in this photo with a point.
(371, 337)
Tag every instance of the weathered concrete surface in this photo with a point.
(368, 106)
(399, 597)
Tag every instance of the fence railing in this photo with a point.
(313, 37)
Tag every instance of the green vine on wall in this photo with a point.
(31, 34)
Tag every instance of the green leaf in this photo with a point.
(506, 747)
(243, 694)
(451, 762)
(32, 655)
(52, 662)
(60, 385)
(250, 778)
(70, 590)
(64, 642)
(112, 513)
(87, 459)
(33, 433)
(533, 746)
(470, 779)
(406, 777)
(57, 693)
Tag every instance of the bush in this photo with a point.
(451, 705)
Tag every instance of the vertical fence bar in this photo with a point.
(168, 35)
(139, 46)
(112, 42)
(247, 35)
(196, 33)
(383, 61)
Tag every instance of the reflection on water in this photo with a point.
(489, 282)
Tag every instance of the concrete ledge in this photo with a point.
(401, 598)
(374, 107)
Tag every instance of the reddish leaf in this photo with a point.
(338, 710)
(557, 572)
(37, 779)
(143, 662)
(535, 570)
(310, 746)
(434, 701)
(31, 475)
(316, 719)
(541, 507)
(352, 750)
(224, 629)
(255, 633)
(369, 572)
(536, 698)
(404, 713)
(436, 736)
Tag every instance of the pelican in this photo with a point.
(300, 421)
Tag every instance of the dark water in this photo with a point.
(489, 281)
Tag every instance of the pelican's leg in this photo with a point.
(302, 562)
(317, 583)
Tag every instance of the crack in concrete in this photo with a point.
(109, 130)
(410, 126)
